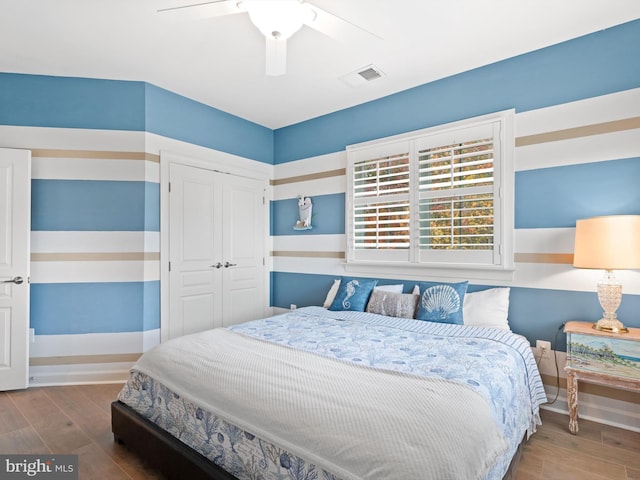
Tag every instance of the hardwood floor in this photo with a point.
(76, 419)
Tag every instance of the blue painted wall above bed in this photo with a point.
(589, 66)
(585, 163)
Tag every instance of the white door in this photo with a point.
(195, 245)
(243, 250)
(15, 226)
(216, 249)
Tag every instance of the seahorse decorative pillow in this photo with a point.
(353, 294)
(441, 302)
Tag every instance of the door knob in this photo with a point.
(16, 280)
(227, 264)
(217, 265)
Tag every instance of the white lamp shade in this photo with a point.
(608, 243)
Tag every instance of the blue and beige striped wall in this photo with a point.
(577, 155)
(95, 231)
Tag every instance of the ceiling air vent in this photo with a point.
(369, 74)
(362, 76)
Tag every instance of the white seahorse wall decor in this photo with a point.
(304, 209)
(351, 291)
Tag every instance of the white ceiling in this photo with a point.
(221, 61)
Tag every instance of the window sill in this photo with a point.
(412, 271)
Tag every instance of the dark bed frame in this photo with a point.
(175, 460)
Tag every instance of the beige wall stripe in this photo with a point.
(82, 359)
(303, 254)
(95, 256)
(311, 176)
(584, 131)
(94, 154)
(564, 258)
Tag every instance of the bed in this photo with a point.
(333, 395)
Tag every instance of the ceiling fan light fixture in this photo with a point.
(278, 19)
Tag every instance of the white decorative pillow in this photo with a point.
(390, 288)
(331, 294)
(487, 308)
(392, 304)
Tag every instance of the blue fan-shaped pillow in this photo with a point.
(441, 302)
(353, 294)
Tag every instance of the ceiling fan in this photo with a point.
(277, 20)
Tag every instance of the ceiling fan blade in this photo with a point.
(187, 10)
(276, 56)
(339, 28)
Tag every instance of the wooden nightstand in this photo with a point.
(593, 356)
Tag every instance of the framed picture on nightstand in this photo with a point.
(595, 356)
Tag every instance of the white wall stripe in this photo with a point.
(224, 161)
(596, 148)
(527, 275)
(605, 108)
(320, 266)
(97, 271)
(95, 169)
(544, 240)
(319, 243)
(93, 343)
(311, 188)
(306, 166)
(71, 138)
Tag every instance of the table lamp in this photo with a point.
(608, 243)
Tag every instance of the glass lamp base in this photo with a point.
(610, 296)
(604, 326)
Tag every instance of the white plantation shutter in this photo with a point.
(457, 193)
(381, 193)
(434, 197)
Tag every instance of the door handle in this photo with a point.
(227, 264)
(16, 280)
(217, 265)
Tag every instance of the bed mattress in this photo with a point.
(478, 387)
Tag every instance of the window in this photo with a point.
(440, 197)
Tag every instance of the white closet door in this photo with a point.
(15, 227)
(195, 248)
(216, 250)
(243, 250)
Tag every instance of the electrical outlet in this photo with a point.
(544, 348)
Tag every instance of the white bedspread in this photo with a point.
(356, 421)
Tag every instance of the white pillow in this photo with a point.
(390, 288)
(487, 308)
(331, 294)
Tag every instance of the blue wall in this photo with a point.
(596, 64)
(78, 205)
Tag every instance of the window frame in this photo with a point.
(452, 263)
